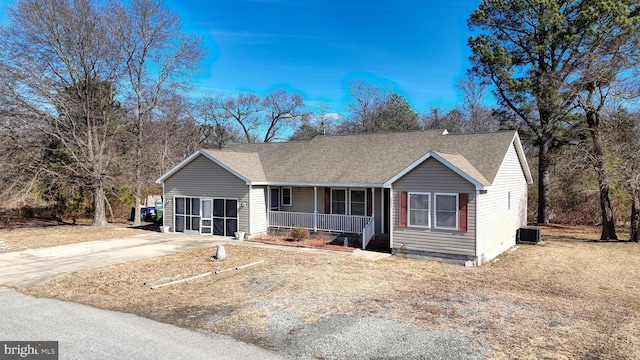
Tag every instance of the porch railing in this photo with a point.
(368, 232)
(352, 224)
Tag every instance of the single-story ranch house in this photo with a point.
(426, 193)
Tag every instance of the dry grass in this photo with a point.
(568, 298)
(20, 238)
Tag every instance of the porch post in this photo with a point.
(268, 205)
(315, 208)
(391, 217)
(382, 210)
(373, 203)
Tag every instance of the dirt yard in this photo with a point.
(569, 298)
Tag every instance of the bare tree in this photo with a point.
(479, 117)
(243, 110)
(281, 109)
(60, 71)
(159, 57)
(216, 129)
(436, 118)
(367, 99)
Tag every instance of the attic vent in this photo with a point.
(445, 132)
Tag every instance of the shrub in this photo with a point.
(299, 234)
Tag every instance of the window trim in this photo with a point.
(282, 203)
(346, 201)
(409, 224)
(364, 190)
(435, 211)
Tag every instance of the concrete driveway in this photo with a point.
(35, 266)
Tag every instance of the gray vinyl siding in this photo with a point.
(204, 178)
(258, 210)
(431, 177)
(302, 201)
(498, 220)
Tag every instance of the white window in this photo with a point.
(338, 201)
(446, 211)
(419, 209)
(286, 196)
(358, 204)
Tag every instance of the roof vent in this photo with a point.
(445, 132)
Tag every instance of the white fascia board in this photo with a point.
(186, 161)
(321, 184)
(523, 158)
(431, 154)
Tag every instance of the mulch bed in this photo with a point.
(308, 243)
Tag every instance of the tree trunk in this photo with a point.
(635, 213)
(544, 163)
(108, 204)
(99, 214)
(600, 166)
(137, 190)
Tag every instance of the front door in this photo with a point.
(275, 199)
(206, 220)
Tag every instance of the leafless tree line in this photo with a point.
(82, 80)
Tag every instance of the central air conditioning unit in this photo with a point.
(528, 235)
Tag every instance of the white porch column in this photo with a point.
(268, 206)
(373, 202)
(315, 208)
(249, 230)
(391, 217)
(382, 210)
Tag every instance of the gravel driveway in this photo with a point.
(354, 337)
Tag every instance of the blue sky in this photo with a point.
(315, 47)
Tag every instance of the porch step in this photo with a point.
(379, 244)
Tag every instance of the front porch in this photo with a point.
(350, 224)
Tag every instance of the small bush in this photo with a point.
(299, 234)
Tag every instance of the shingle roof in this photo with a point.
(373, 158)
(246, 164)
